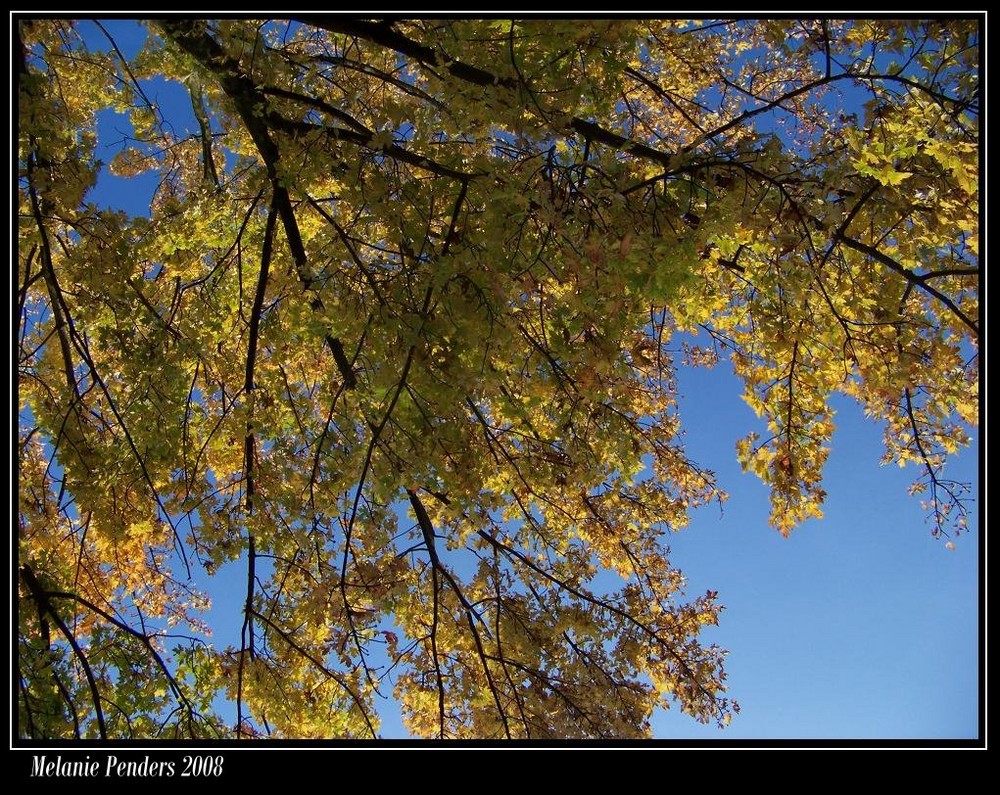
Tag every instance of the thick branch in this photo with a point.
(141, 637)
(383, 33)
(918, 280)
(247, 631)
(365, 140)
(51, 283)
(287, 637)
(649, 631)
(427, 529)
(45, 606)
(248, 102)
(211, 176)
(343, 364)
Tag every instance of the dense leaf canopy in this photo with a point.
(398, 337)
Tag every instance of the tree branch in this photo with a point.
(423, 520)
(918, 280)
(41, 598)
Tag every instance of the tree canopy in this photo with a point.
(398, 337)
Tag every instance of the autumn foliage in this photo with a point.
(393, 343)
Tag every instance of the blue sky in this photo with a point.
(858, 626)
